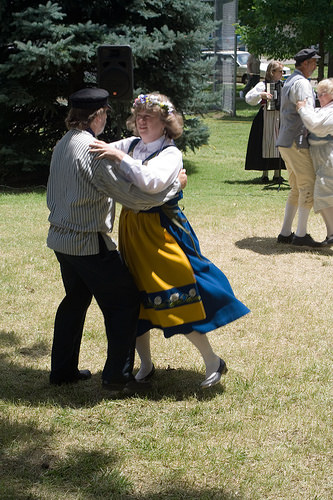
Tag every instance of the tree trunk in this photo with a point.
(330, 65)
(321, 65)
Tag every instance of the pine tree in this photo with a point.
(48, 50)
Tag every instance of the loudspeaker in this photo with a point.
(115, 71)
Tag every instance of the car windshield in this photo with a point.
(242, 58)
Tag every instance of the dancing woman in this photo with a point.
(181, 290)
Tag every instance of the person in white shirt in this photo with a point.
(319, 122)
(181, 290)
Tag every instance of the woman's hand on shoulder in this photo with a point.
(105, 150)
(300, 104)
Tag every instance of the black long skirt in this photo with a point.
(254, 155)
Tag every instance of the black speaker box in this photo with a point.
(115, 71)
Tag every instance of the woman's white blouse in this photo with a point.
(159, 172)
(253, 97)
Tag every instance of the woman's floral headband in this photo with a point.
(153, 100)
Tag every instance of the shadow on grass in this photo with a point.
(269, 246)
(90, 474)
(29, 463)
(257, 180)
(31, 386)
(179, 384)
(184, 493)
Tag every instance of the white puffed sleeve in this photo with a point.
(253, 97)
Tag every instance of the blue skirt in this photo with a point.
(181, 290)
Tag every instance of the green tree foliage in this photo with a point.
(48, 50)
(280, 28)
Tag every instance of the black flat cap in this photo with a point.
(89, 98)
(305, 54)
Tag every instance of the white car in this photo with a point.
(227, 56)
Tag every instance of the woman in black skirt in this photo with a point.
(262, 153)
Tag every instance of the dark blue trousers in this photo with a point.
(105, 277)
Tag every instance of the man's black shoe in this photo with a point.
(81, 375)
(285, 239)
(306, 241)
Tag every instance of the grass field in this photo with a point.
(264, 433)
